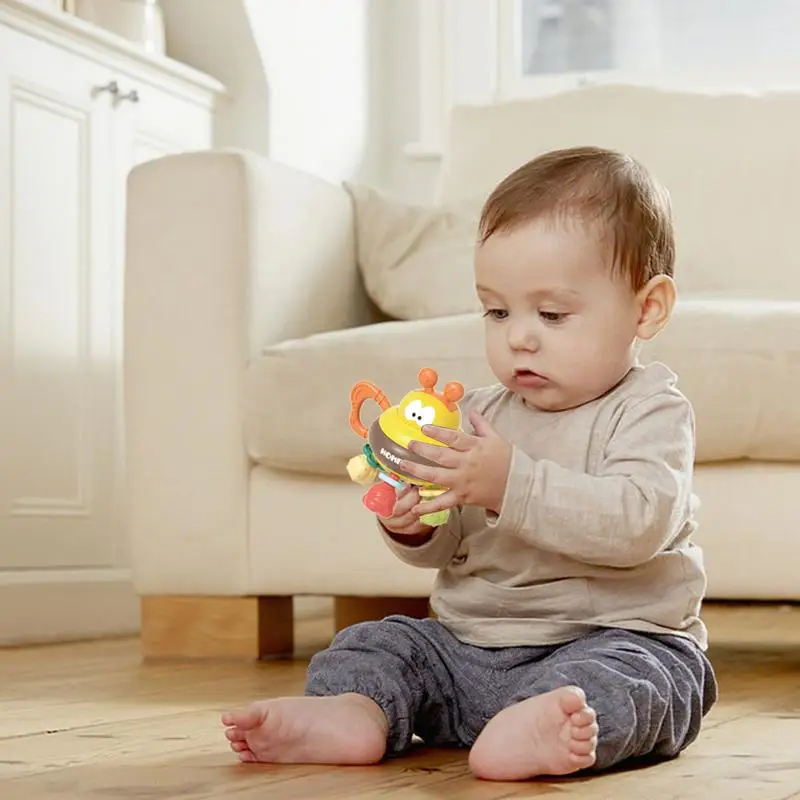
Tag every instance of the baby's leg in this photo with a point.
(404, 666)
(644, 696)
(363, 695)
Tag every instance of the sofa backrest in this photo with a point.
(730, 161)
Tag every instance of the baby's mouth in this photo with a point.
(527, 377)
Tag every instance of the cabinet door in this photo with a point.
(154, 122)
(151, 122)
(59, 358)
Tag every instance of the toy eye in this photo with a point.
(414, 411)
(427, 416)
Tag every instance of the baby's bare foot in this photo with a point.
(346, 729)
(551, 734)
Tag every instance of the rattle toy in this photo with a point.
(389, 436)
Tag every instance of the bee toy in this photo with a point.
(389, 436)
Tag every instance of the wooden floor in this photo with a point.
(90, 721)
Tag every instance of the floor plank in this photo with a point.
(91, 721)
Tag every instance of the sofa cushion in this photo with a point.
(416, 261)
(309, 381)
(730, 162)
(738, 362)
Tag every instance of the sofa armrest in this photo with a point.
(226, 253)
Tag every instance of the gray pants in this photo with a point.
(650, 693)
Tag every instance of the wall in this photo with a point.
(305, 77)
(409, 177)
(215, 37)
(317, 59)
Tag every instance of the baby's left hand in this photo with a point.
(474, 468)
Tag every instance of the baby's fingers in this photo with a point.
(406, 501)
(403, 519)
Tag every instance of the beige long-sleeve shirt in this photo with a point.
(595, 528)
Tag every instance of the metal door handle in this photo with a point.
(112, 87)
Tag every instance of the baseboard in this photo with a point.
(70, 605)
(66, 605)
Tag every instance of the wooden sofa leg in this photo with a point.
(350, 610)
(195, 627)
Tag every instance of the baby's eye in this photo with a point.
(496, 313)
(552, 316)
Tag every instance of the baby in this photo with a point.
(567, 634)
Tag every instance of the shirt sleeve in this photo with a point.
(434, 554)
(635, 505)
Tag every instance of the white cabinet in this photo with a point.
(78, 109)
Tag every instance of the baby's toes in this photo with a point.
(246, 719)
(581, 747)
(585, 733)
(239, 747)
(583, 718)
(235, 735)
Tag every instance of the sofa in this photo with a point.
(257, 295)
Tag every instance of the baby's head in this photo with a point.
(573, 266)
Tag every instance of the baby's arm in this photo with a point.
(625, 514)
(418, 544)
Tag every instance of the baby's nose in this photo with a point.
(522, 337)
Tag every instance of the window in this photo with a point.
(561, 36)
(547, 45)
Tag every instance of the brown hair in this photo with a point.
(592, 184)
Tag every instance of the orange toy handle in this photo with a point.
(359, 394)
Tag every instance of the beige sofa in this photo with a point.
(247, 322)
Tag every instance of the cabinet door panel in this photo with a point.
(162, 123)
(58, 355)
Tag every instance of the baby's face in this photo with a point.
(560, 329)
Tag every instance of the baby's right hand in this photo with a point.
(403, 522)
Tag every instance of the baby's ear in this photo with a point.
(656, 300)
